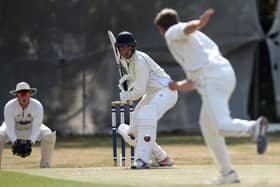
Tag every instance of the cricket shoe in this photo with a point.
(166, 162)
(229, 178)
(140, 164)
(259, 135)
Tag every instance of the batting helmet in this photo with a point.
(125, 38)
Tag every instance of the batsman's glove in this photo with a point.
(126, 80)
(22, 148)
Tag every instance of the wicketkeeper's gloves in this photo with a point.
(22, 148)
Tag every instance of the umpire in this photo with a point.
(23, 125)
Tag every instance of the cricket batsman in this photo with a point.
(150, 83)
(23, 125)
(213, 77)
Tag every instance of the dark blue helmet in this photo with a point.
(125, 38)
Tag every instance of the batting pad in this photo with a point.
(47, 147)
(157, 152)
(146, 132)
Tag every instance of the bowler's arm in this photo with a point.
(194, 25)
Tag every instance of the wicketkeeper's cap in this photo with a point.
(21, 86)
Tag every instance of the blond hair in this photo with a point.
(166, 18)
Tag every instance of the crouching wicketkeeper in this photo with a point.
(23, 125)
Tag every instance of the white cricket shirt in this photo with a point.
(146, 73)
(30, 118)
(192, 51)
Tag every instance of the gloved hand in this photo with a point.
(22, 148)
(124, 96)
(126, 79)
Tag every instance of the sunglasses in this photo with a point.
(23, 93)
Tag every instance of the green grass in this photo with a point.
(87, 161)
(194, 175)
(16, 179)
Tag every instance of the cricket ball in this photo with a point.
(147, 138)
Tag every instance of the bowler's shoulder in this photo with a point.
(175, 32)
(178, 26)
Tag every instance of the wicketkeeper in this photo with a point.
(23, 125)
(150, 83)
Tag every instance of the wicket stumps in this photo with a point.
(122, 110)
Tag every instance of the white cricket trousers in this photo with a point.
(215, 84)
(161, 100)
